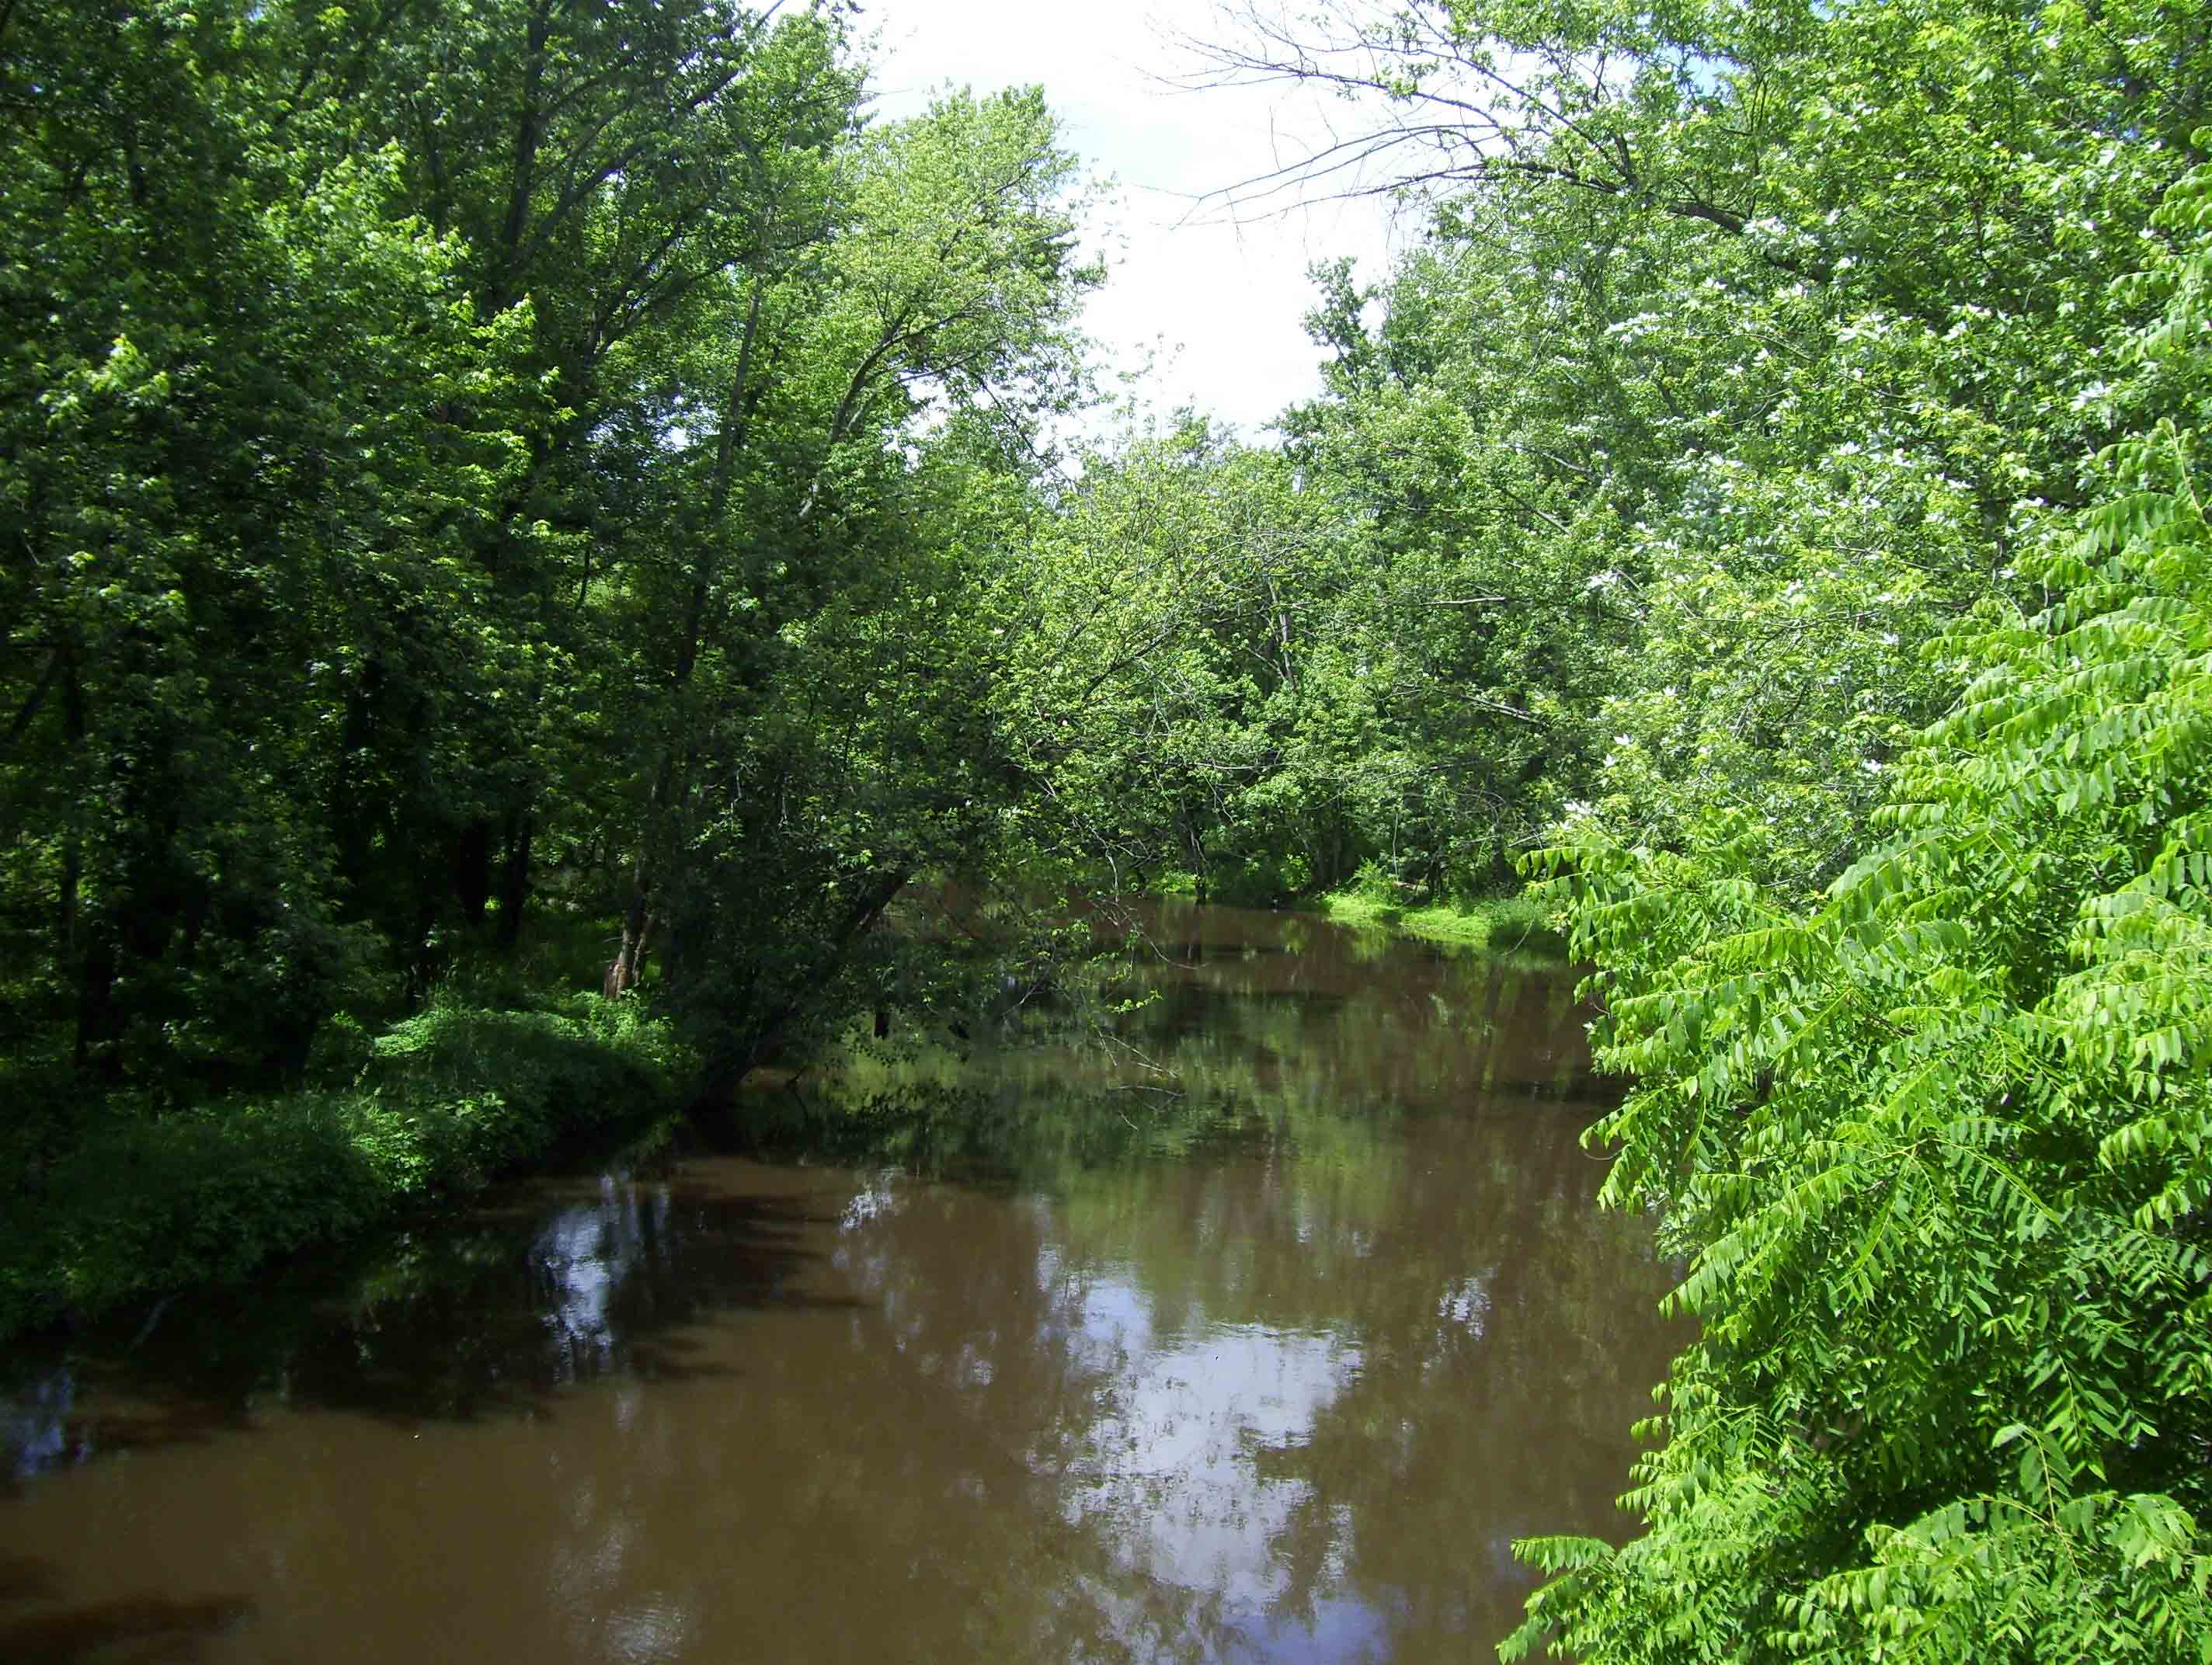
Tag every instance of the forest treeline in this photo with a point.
(533, 527)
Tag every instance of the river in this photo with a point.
(1257, 1331)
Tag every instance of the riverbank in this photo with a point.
(1496, 925)
(438, 1106)
(1510, 924)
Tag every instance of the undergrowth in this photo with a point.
(437, 1105)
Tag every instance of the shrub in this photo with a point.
(441, 1104)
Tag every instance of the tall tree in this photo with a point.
(803, 755)
(234, 445)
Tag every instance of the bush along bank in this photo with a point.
(443, 1102)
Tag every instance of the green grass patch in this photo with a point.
(1495, 925)
(442, 1104)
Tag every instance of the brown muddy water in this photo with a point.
(1256, 1332)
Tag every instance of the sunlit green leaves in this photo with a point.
(1937, 1145)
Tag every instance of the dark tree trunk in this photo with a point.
(72, 847)
(472, 869)
(349, 810)
(425, 961)
(137, 936)
(95, 1010)
(514, 878)
(725, 1073)
(88, 951)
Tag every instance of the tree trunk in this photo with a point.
(93, 958)
(623, 974)
(95, 1010)
(472, 869)
(349, 810)
(637, 925)
(514, 877)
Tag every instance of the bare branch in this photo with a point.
(1444, 111)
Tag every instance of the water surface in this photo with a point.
(1258, 1332)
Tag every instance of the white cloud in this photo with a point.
(1223, 301)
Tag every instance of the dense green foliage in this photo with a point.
(1747, 348)
(463, 461)
(440, 1104)
(471, 473)
(1939, 1142)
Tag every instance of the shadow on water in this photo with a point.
(148, 1627)
(145, 1628)
(1215, 1027)
(564, 1283)
(43, 1429)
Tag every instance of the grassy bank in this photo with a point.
(1497, 925)
(438, 1105)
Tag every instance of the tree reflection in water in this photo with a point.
(1273, 1369)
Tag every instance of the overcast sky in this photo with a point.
(1221, 302)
